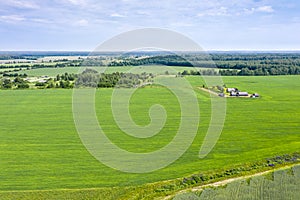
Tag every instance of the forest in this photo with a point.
(225, 64)
(262, 64)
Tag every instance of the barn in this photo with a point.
(229, 90)
(242, 94)
(232, 94)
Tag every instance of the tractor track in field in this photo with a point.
(209, 91)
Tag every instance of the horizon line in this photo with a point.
(209, 50)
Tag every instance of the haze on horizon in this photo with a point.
(214, 24)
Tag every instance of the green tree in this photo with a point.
(22, 85)
(7, 84)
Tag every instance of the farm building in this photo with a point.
(239, 94)
(255, 95)
(235, 92)
(232, 94)
(229, 90)
(242, 94)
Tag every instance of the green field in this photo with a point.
(55, 71)
(41, 150)
(280, 184)
(7, 69)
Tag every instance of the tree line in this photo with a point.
(42, 65)
(91, 78)
(291, 70)
(88, 78)
(18, 83)
(228, 64)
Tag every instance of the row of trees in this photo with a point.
(10, 73)
(292, 70)
(225, 173)
(61, 81)
(256, 166)
(204, 72)
(15, 75)
(54, 84)
(18, 83)
(11, 57)
(230, 65)
(43, 65)
(66, 77)
(236, 56)
(91, 78)
(169, 60)
(244, 64)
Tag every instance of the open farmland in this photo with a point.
(40, 148)
(280, 184)
(51, 71)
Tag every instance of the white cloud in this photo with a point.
(265, 9)
(11, 18)
(117, 15)
(78, 2)
(41, 21)
(221, 11)
(82, 22)
(22, 4)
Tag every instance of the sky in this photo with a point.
(81, 25)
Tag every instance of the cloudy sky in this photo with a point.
(213, 24)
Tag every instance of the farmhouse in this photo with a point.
(239, 94)
(229, 90)
(232, 94)
(242, 94)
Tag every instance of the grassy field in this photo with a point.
(55, 71)
(41, 150)
(13, 65)
(280, 184)
(7, 69)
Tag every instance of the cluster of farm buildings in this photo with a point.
(235, 92)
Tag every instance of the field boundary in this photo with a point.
(226, 181)
(192, 189)
(208, 91)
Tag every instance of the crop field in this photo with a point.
(6, 69)
(54, 71)
(281, 184)
(41, 150)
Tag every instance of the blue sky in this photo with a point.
(213, 24)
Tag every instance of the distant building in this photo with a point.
(255, 95)
(42, 81)
(232, 94)
(242, 94)
(229, 90)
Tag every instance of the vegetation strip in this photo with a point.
(227, 181)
